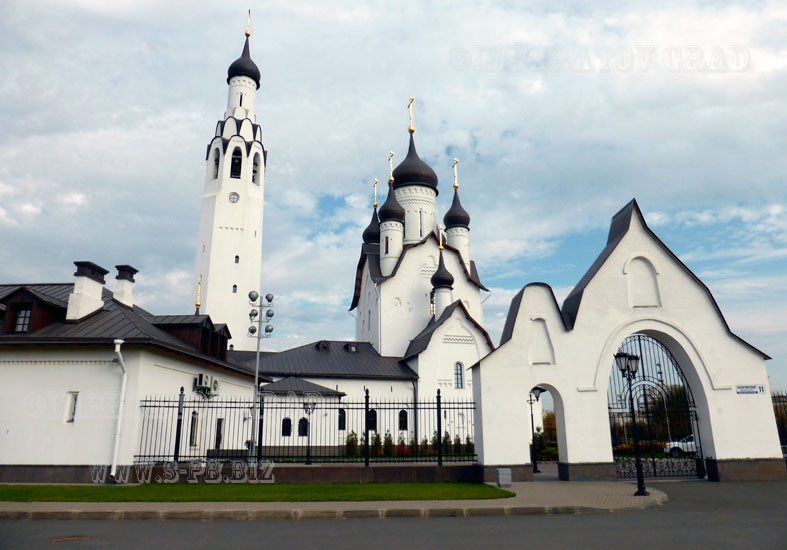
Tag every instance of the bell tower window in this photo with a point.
(237, 259)
(255, 169)
(237, 163)
(215, 163)
(234, 289)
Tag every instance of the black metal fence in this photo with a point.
(779, 399)
(306, 429)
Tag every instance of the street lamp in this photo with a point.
(535, 393)
(308, 407)
(628, 364)
(259, 309)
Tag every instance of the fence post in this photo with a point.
(178, 426)
(439, 431)
(259, 429)
(366, 429)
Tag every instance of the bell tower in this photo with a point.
(229, 247)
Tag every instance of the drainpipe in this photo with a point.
(121, 404)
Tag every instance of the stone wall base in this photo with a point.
(746, 469)
(589, 471)
(519, 472)
(279, 473)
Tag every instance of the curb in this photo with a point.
(298, 514)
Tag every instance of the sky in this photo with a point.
(558, 112)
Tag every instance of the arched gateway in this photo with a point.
(637, 297)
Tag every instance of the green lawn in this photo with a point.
(275, 492)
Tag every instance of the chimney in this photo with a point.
(125, 284)
(88, 285)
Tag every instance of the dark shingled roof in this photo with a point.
(413, 171)
(421, 342)
(337, 362)
(441, 278)
(244, 66)
(372, 232)
(371, 253)
(618, 228)
(299, 386)
(391, 210)
(114, 320)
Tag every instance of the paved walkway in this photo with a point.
(532, 498)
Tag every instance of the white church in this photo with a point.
(77, 359)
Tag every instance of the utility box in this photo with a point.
(503, 477)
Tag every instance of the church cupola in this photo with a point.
(392, 217)
(442, 282)
(371, 235)
(457, 224)
(415, 185)
(243, 76)
(244, 66)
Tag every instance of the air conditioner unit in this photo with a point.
(203, 383)
(214, 389)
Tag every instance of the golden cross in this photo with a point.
(199, 290)
(390, 166)
(375, 192)
(456, 182)
(248, 24)
(411, 129)
(440, 236)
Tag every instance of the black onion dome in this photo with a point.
(413, 171)
(372, 232)
(391, 210)
(442, 278)
(456, 215)
(244, 66)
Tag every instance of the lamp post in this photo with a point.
(259, 309)
(628, 364)
(535, 393)
(308, 407)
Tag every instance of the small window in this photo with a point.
(237, 163)
(241, 100)
(459, 382)
(72, 405)
(303, 427)
(23, 319)
(403, 420)
(237, 259)
(234, 289)
(371, 420)
(421, 222)
(386, 245)
(353, 348)
(255, 169)
(342, 419)
(215, 163)
(286, 427)
(193, 430)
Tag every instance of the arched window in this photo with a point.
(237, 259)
(386, 245)
(342, 419)
(371, 420)
(237, 163)
(234, 289)
(403, 420)
(286, 427)
(459, 381)
(255, 169)
(303, 427)
(193, 430)
(421, 222)
(215, 163)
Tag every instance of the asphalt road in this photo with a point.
(699, 515)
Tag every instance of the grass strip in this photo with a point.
(273, 492)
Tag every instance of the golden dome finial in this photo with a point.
(411, 129)
(390, 166)
(440, 236)
(375, 193)
(199, 291)
(248, 24)
(456, 177)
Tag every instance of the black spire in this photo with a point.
(456, 215)
(442, 278)
(244, 66)
(372, 232)
(391, 210)
(413, 171)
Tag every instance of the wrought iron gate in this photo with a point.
(666, 418)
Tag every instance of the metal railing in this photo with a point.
(306, 429)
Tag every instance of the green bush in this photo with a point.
(388, 444)
(447, 444)
(458, 445)
(469, 446)
(376, 444)
(351, 444)
(548, 453)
